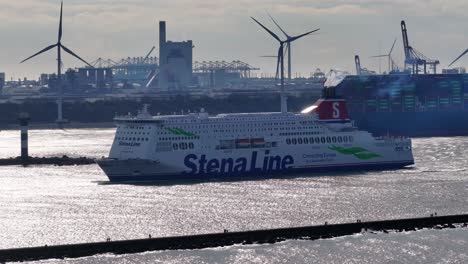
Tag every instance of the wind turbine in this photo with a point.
(280, 62)
(391, 63)
(466, 51)
(288, 46)
(59, 47)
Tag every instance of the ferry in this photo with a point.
(197, 146)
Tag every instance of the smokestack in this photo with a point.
(162, 40)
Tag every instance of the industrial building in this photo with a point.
(99, 78)
(175, 62)
(2, 81)
(222, 74)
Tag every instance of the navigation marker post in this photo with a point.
(24, 122)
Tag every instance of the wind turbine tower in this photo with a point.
(288, 45)
(280, 62)
(60, 121)
(391, 62)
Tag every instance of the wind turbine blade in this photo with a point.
(466, 51)
(392, 47)
(44, 50)
(284, 32)
(60, 23)
(269, 31)
(74, 55)
(302, 35)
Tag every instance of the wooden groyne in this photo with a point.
(59, 161)
(228, 238)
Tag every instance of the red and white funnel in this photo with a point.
(329, 110)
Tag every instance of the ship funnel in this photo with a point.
(331, 110)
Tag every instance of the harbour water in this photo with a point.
(54, 205)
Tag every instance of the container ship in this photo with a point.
(198, 146)
(415, 105)
(413, 102)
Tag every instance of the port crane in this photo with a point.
(461, 55)
(415, 59)
(357, 61)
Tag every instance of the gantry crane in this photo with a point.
(415, 59)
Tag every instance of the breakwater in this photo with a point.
(227, 238)
(59, 161)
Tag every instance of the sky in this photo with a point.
(223, 30)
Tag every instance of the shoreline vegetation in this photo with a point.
(100, 114)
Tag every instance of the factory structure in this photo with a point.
(173, 70)
(175, 62)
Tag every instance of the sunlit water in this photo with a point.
(54, 205)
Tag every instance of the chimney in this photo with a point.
(162, 41)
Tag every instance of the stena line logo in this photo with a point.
(254, 163)
(336, 110)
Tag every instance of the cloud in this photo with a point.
(221, 29)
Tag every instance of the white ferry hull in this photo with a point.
(257, 145)
(258, 163)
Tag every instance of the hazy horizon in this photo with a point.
(223, 30)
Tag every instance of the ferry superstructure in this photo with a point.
(197, 146)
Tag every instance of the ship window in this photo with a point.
(334, 139)
(306, 141)
(288, 141)
(299, 141)
(328, 139)
(322, 140)
(345, 139)
(175, 146)
(190, 145)
(317, 140)
(183, 145)
(350, 138)
(294, 141)
(340, 139)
